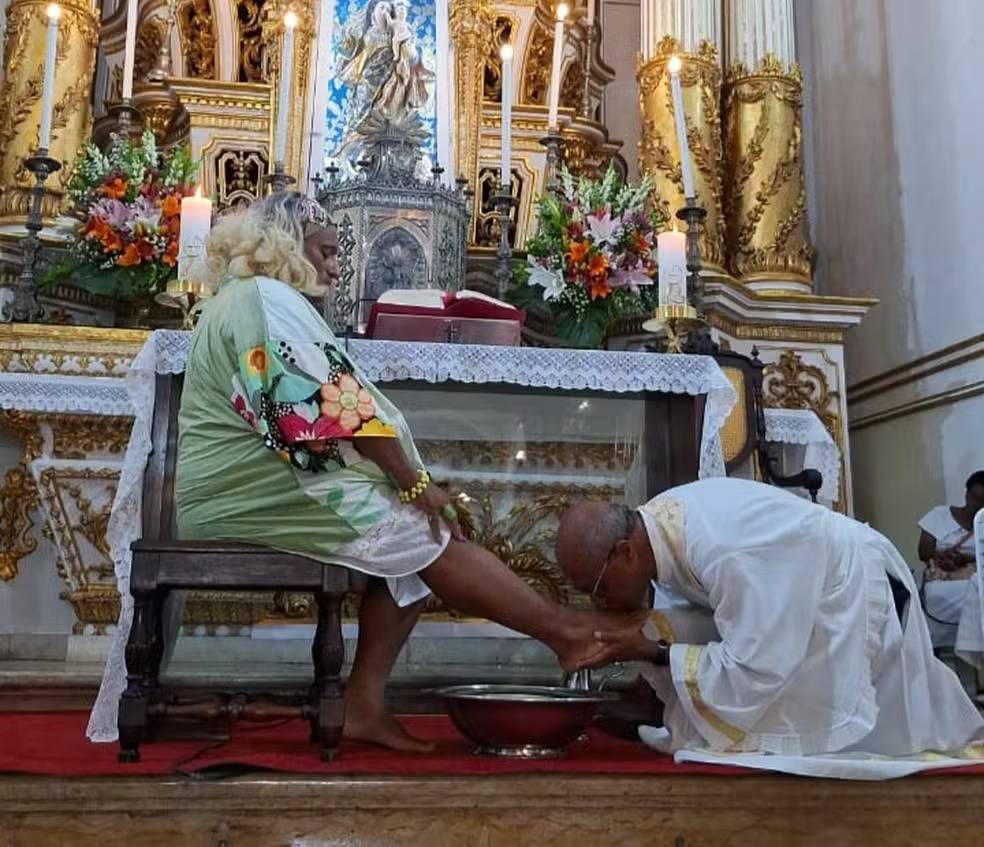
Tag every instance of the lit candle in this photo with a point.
(558, 51)
(591, 13)
(671, 256)
(680, 119)
(506, 53)
(286, 67)
(196, 223)
(130, 48)
(48, 90)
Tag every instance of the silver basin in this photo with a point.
(526, 721)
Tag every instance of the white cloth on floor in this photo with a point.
(812, 657)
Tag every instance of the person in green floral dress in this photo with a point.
(284, 442)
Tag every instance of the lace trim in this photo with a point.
(802, 426)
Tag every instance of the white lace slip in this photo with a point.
(387, 361)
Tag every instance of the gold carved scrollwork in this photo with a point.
(239, 176)
(503, 33)
(700, 78)
(792, 383)
(196, 23)
(472, 24)
(250, 17)
(150, 37)
(76, 436)
(18, 496)
(765, 216)
(536, 66)
(20, 99)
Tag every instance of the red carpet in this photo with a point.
(54, 744)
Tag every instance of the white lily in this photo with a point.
(552, 281)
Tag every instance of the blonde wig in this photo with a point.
(265, 240)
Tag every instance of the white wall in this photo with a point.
(895, 165)
(620, 47)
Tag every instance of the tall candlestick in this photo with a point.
(680, 119)
(196, 223)
(506, 53)
(558, 52)
(129, 49)
(671, 256)
(48, 90)
(286, 68)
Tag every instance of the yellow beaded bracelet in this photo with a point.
(410, 494)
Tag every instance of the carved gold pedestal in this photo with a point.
(659, 157)
(20, 100)
(765, 211)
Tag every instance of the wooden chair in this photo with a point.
(743, 435)
(162, 564)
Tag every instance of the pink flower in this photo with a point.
(631, 278)
(112, 212)
(294, 428)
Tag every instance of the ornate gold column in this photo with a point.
(700, 79)
(20, 99)
(767, 239)
(472, 23)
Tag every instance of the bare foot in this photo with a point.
(384, 730)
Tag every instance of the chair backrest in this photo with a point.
(158, 483)
(743, 431)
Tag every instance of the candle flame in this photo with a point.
(562, 11)
(290, 20)
(506, 52)
(54, 11)
(198, 193)
(674, 65)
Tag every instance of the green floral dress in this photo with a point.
(270, 413)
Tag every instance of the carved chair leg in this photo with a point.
(328, 653)
(140, 653)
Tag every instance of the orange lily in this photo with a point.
(598, 265)
(578, 251)
(641, 245)
(130, 257)
(115, 188)
(171, 207)
(599, 289)
(170, 257)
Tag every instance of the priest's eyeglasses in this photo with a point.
(628, 518)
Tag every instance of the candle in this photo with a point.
(680, 119)
(506, 53)
(286, 66)
(196, 223)
(130, 49)
(591, 13)
(48, 90)
(671, 256)
(558, 51)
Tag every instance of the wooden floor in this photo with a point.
(691, 811)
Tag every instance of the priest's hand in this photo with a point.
(624, 645)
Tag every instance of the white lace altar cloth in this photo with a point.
(802, 426)
(382, 361)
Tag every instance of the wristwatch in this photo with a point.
(660, 653)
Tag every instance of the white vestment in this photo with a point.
(811, 656)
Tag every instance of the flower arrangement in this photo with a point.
(593, 258)
(129, 203)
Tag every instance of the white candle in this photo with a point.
(671, 256)
(286, 68)
(48, 90)
(130, 48)
(591, 13)
(558, 52)
(506, 53)
(196, 223)
(680, 119)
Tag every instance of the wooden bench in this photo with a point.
(162, 564)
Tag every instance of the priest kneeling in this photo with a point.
(818, 643)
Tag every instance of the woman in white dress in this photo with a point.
(946, 546)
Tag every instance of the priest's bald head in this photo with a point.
(604, 551)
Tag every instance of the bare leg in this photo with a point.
(471, 580)
(383, 630)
